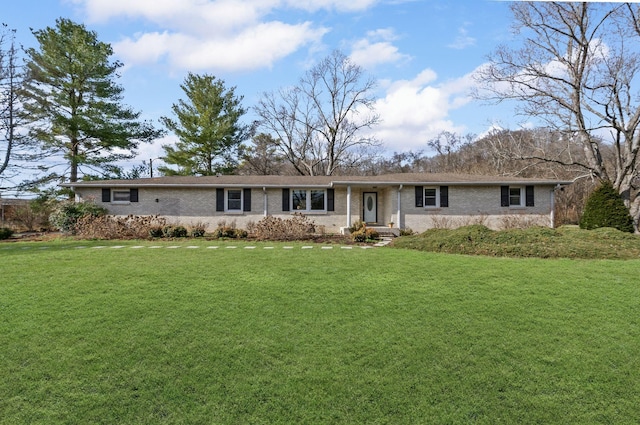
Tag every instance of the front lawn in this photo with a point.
(180, 333)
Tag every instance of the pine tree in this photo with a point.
(208, 127)
(74, 104)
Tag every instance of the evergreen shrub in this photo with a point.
(605, 208)
(5, 233)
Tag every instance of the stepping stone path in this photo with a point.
(383, 242)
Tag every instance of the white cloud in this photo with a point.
(256, 47)
(203, 17)
(463, 40)
(376, 48)
(414, 111)
(339, 5)
(218, 34)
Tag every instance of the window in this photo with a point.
(430, 197)
(308, 200)
(120, 195)
(234, 200)
(317, 200)
(517, 196)
(299, 200)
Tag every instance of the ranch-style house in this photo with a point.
(418, 201)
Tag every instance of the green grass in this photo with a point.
(538, 242)
(311, 336)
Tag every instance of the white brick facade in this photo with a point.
(468, 203)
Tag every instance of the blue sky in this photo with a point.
(422, 52)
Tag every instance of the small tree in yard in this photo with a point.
(67, 213)
(605, 208)
(35, 214)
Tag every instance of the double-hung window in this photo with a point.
(234, 200)
(515, 196)
(430, 197)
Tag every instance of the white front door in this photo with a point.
(370, 207)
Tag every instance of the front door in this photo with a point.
(370, 207)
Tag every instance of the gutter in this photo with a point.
(332, 184)
(106, 183)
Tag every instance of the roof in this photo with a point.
(14, 201)
(412, 179)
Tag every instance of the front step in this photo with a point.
(386, 231)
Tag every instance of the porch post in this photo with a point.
(349, 206)
(552, 215)
(266, 203)
(399, 206)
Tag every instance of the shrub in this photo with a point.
(365, 234)
(5, 233)
(357, 226)
(274, 228)
(198, 230)
(113, 227)
(359, 236)
(406, 232)
(229, 230)
(441, 222)
(605, 208)
(66, 214)
(33, 215)
(174, 232)
(156, 232)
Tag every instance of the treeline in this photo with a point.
(521, 153)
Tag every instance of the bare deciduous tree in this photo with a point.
(577, 70)
(318, 125)
(262, 158)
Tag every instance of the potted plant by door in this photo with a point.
(390, 224)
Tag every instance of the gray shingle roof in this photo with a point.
(318, 181)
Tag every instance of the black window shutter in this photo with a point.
(219, 199)
(504, 196)
(285, 200)
(331, 200)
(246, 200)
(444, 196)
(133, 195)
(106, 195)
(419, 196)
(529, 196)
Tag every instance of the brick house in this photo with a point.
(399, 201)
